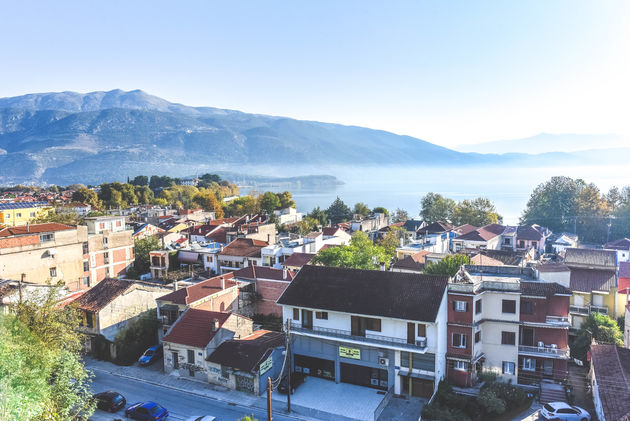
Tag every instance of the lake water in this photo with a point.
(402, 187)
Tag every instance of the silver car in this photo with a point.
(563, 411)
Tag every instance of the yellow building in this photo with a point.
(21, 213)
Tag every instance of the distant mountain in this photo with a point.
(546, 142)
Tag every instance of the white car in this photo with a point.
(563, 411)
(203, 418)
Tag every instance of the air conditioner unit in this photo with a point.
(421, 342)
(374, 382)
(383, 361)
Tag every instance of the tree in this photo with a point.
(338, 211)
(140, 180)
(477, 212)
(391, 240)
(306, 225)
(207, 200)
(88, 196)
(319, 215)
(599, 328)
(286, 200)
(244, 205)
(448, 266)
(362, 253)
(380, 209)
(144, 195)
(139, 334)
(269, 202)
(361, 209)
(434, 207)
(67, 218)
(142, 247)
(400, 215)
(179, 196)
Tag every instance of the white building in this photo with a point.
(288, 216)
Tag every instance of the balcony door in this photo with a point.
(356, 326)
(411, 333)
(527, 336)
(307, 319)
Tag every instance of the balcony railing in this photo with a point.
(579, 309)
(599, 309)
(588, 309)
(369, 338)
(544, 350)
(557, 320)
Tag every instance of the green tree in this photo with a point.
(140, 180)
(67, 218)
(362, 253)
(598, 327)
(361, 209)
(391, 240)
(244, 205)
(338, 211)
(449, 265)
(142, 247)
(434, 207)
(319, 215)
(269, 202)
(207, 200)
(552, 204)
(144, 195)
(400, 215)
(380, 209)
(179, 196)
(477, 212)
(88, 196)
(140, 334)
(286, 200)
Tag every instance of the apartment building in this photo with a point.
(381, 330)
(109, 248)
(15, 214)
(502, 319)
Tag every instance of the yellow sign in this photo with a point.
(353, 353)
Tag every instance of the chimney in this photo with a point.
(215, 325)
(174, 285)
(284, 273)
(222, 282)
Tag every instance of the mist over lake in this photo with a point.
(402, 187)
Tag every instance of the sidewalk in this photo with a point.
(154, 375)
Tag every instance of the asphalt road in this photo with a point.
(180, 405)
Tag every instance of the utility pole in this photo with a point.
(288, 351)
(269, 418)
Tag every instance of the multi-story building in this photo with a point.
(502, 319)
(240, 253)
(15, 214)
(382, 330)
(109, 247)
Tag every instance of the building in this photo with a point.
(287, 216)
(382, 330)
(253, 230)
(215, 294)
(195, 336)
(145, 230)
(15, 214)
(502, 319)
(334, 236)
(240, 253)
(411, 263)
(487, 237)
(109, 246)
(609, 377)
(559, 243)
(297, 260)
(622, 247)
(268, 283)
(245, 364)
(80, 209)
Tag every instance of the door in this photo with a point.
(357, 328)
(548, 368)
(411, 333)
(175, 360)
(191, 363)
(307, 319)
(527, 336)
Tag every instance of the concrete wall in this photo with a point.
(224, 300)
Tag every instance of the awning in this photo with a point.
(188, 256)
(415, 375)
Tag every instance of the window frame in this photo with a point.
(527, 307)
(508, 334)
(507, 302)
(321, 315)
(531, 366)
(463, 365)
(463, 340)
(457, 306)
(296, 314)
(508, 364)
(478, 336)
(478, 306)
(52, 272)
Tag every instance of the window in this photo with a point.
(374, 324)
(322, 315)
(598, 300)
(86, 249)
(508, 338)
(460, 306)
(477, 336)
(535, 244)
(86, 281)
(459, 340)
(117, 223)
(529, 364)
(32, 214)
(53, 272)
(101, 225)
(46, 237)
(89, 319)
(478, 306)
(105, 241)
(509, 306)
(460, 365)
(526, 307)
(86, 266)
(507, 241)
(508, 367)
(521, 244)
(296, 314)
(422, 330)
(225, 372)
(106, 258)
(18, 215)
(175, 360)
(191, 356)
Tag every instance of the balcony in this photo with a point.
(599, 309)
(583, 310)
(558, 320)
(368, 339)
(548, 351)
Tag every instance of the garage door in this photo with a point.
(363, 376)
(421, 388)
(316, 367)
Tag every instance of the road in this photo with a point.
(180, 405)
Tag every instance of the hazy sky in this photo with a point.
(450, 72)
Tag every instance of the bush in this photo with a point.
(487, 376)
(132, 341)
(491, 403)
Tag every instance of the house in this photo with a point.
(16, 214)
(435, 237)
(377, 329)
(464, 229)
(412, 226)
(335, 236)
(80, 209)
(145, 230)
(622, 247)
(160, 261)
(411, 263)
(505, 257)
(624, 277)
(110, 248)
(504, 320)
(295, 261)
(110, 305)
(532, 237)
(253, 230)
(268, 283)
(275, 254)
(195, 336)
(245, 364)
(488, 237)
(559, 243)
(201, 254)
(288, 216)
(371, 223)
(240, 253)
(220, 293)
(609, 377)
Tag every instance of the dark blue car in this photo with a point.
(146, 411)
(151, 355)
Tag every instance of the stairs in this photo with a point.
(552, 392)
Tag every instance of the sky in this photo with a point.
(450, 72)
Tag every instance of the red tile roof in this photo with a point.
(464, 229)
(611, 368)
(34, 229)
(485, 233)
(246, 247)
(263, 272)
(103, 293)
(200, 290)
(330, 231)
(195, 328)
(298, 259)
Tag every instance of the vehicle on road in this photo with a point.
(203, 418)
(151, 355)
(146, 411)
(296, 380)
(110, 401)
(562, 411)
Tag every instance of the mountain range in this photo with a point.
(69, 137)
(549, 142)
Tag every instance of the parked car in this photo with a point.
(203, 418)
(151, 355)
(146, 411)
(296, 380)
(110, 401)
(562, 411)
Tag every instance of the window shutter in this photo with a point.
(454, 304)
(466, 307)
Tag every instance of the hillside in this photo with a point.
(546, 142)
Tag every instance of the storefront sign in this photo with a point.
(265, 365)
(353, 353)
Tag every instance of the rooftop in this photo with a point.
(34, 229)
(247, 353)
(103, 293)
(246, 247)
(200, 290)
(298, 259)
(195, 327)
(611, 366)
(22, 205)
(575, 257)
(264, 272)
